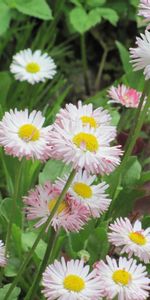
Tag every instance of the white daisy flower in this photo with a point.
(3, 259)
(126, 279)
(132, 238)
(70, 281)
(85, 192)
(32, 66)
(22, 134)
(85, 113)
(141, 55)
(84, 147)
(144, 9)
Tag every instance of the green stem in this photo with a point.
(134, 133)
(84, 64)
(14, 205)
(100, 70)
(8, 178)
(32, 291)
(26, 261)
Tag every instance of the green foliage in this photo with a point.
(52, 170)
(5, 17)
(14, 295)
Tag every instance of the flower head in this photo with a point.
(144, 9)
(92, 196)
(40, 202)
(125, 279)
(22, 134)
(32, 67)
(140, 56)
(3, 259)
(70, 280)
(132, 238)
(126, 96)
(84, 147)
(86, 114)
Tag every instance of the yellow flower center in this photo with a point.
(122, 276)
(138, 238)
(29, 132)
(82, 190)
(74, 283)
(32, 67)
(89, 141)
(88, 120)
(62, 206)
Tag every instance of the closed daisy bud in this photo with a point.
(126, 96)
(3, 259)
(124, 279)
(40, 202)
(84, 191)
(22, 134)
(132, 238)
(70, 281)
(32, 66)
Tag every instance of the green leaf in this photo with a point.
(35, 8)
(125, 58)
(12, 267)
(78, 19)
(28, 238)
(132, 172)
(108, 14)
(16, 234)
(5, 82)
(52, 170)
(5, 15)
(95, 3)
(146, 221)
(14, 295)
(98, 244)
(6, 207)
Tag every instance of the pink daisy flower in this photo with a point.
(126, 96)
(144, 9)
(124, 279)
(92, 196)
(84, 147)
(22, 134)
(85, 114)
(140, 56)
(39, 203)
(3, 259)
(133, 239)
(71, 280)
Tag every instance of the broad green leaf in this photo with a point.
(5, 15)
(12, 267)
(98, 244)
(76, 2)
(28, 238)
(78, 19)
(16, 234)
(6, 207)
(125, 58)
(132, 172)
(134, 3)
(14, 295)
(108, 14)
(5, 82)
(95, 3)
(52, 170)
(35, 8)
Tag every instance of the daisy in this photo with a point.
(84, 147)
(32, 66)
(141, 55)
(85, 113)
(124, 95)
(39, 203)
(132, 238)
(144, 9)
(22, 134)
(85, 192)
(3, 259)
(126, 279)
(70, 281)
